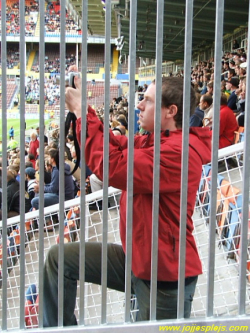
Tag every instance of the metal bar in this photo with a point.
(130, 166)
(4, 169)
(106, 161)
(84, 55)
(22, 49)
(184, 159)
(245, 191)
(156, 172)
(215, 146)
(41, 157)
(61, 164)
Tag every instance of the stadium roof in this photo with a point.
(235, 16)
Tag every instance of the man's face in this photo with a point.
(147, 109)
(202, 104)
(228, 86)
(210, 90)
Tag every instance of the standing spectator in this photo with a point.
(34, 144)
(11, 133)
(169, 209)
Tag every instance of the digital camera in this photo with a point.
(69, 79)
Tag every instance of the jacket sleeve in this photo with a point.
(118, 157)
(53, 187)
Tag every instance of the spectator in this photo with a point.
(51, 191)
(31, 181)
(206, 104)
(31, 158)
(47, 172)
(169, 209)
(232, 84)
(34, 144)
(235, 44)
(13, 206)
(206, 79)
(76, 175)
(11, 133)
(196, 120)
(228, 124)
(210, 88)
(45, 137)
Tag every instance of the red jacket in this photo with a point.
(33, 147)
(228, 125)
(169, 202)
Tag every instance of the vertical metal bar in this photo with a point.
(106, 160)
(185, 153)
(245, 192)
(130, 166)
(61, 164)
(41, 157)
(4, 170)
(22, 49)
(156, 176)
(215, 146)
(84, 55)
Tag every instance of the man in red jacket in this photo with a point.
(228, 124)
(169, 208)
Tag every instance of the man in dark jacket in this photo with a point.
(51, 190)
(169, 208)
(232, 84)
(13, 206)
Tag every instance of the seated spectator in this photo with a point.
(206, 104)
(15, 169)
(76, 175)
(45, 137)
(31, 158)
(196, 120)
(31, 181)
(70, 141)
(210, 88)
(228, 124)
(241, 102)
(47, 174)
(232, 84)
(206, 79)
(51, 190)
(13, 195)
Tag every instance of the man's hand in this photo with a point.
(73, 97)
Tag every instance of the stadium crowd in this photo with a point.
(52, 18)
(233, 89)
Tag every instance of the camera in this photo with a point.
(69, 79)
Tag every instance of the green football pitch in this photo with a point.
(30, 123)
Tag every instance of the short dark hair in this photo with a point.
(172, 94)
(208, 99)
